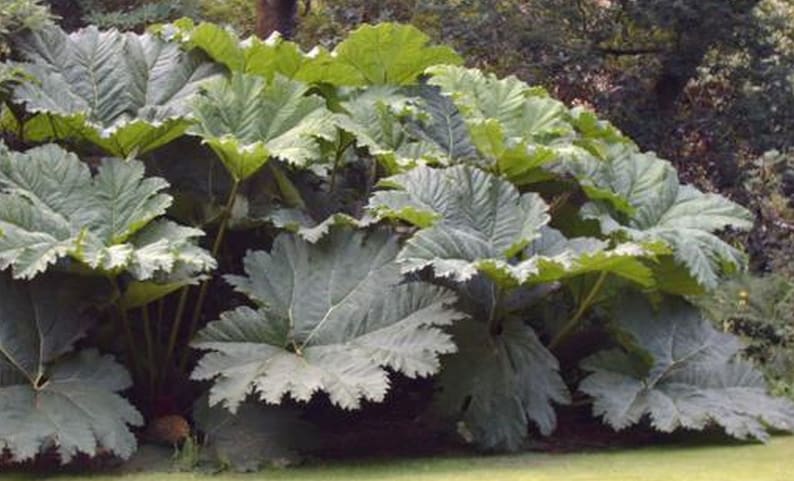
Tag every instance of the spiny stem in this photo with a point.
(341, 148)
(571, 325)
(289, 193)
(158, 326)
(147, 332)
(559, 202)
(372, 177)
(332, 183)
(133, 351)
(132, 354)
(21, 132)
(180, 311)
(494, 321)
(216, 247)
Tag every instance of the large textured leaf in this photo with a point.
(662, 209)
(246, 121)
(475, 222)
(444, 126)
(52, 208)
(695, 378)
(252, 55)
(331, 317)
(379, 119)
(499, 382)
(384, 54)
(469, 217)
(299, 222)
(126, 93)
(553, 257)
(522, 111)
(167, 252)
(516, 128)
(48, 398)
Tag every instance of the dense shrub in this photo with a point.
(377, 213)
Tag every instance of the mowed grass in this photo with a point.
(752, 462)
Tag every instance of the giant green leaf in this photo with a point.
(124, 92)
(408, 126)
(473, 222)
(299, 222)
(662, 209)
(331, 317)
(469, 217)
(520, 132)
(384, 54)
(519, 160)
(442, 126)
(221, 44)
(51, 208)
(165, 254)
(501, 379)
(247, 120)
(49, 398)
(553, 257)
(265, 58)
(379, 118)
(517, 128)
(695, 377)
(522, 111)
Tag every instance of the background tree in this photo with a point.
(276, 15)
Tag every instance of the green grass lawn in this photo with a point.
(771, 462)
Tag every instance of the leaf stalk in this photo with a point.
(572, 324)
(216, 247)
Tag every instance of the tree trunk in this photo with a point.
(696, 36)
(276, 15)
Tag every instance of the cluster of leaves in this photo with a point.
(71, 230)
(400, 214)
(706, 84)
